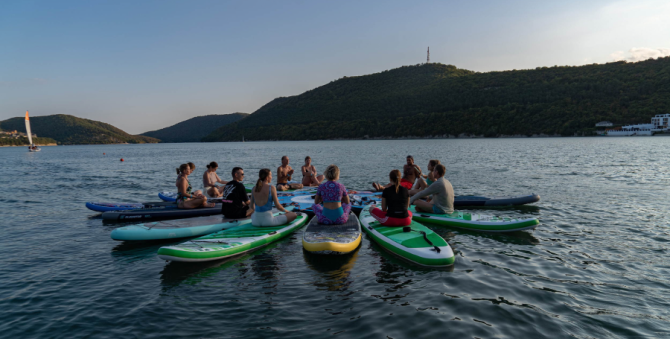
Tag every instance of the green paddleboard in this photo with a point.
(412, 246)
(475, 222)
(230, 242)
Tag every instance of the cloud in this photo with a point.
(639, 54)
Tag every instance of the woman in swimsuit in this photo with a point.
(336, 206)
(210, 179)
(262, 197)
(186, 198)
(309, 177)
(421, 184)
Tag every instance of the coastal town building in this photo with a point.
(14, 134)
(604, 124)
(659, 124)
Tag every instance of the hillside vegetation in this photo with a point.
(439, 100)
(194, 129)
(23, 141)
(70, 130)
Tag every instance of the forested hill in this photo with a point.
(194, 129)
(70, 130)
(438, 100)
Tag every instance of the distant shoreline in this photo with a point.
(28, 145)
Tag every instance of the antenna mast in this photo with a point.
(428, 56)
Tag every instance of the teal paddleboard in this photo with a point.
(475, 221)
(229, 242)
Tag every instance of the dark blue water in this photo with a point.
(595, 268)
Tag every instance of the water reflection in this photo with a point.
(334, 270)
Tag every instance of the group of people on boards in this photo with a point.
(331, 202)
(403, 191)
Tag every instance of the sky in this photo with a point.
(145, 65)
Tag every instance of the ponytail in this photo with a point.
(182, 168)
(262, 176)
(394, 176)
(213, 164)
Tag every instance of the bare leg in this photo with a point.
(282, 187)
(290, 216)
(295, 186)
(213, 192)
(423, 206)
(193, 203)
(316, 181)
(422, 185)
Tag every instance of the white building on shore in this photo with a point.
(659, 123)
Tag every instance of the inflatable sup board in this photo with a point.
(332, 239)
(229, 242)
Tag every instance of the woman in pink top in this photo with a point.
(336, 206)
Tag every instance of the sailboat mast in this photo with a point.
(28, 132)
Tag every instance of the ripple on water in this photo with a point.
(594, 268)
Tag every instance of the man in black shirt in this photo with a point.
(235, 202)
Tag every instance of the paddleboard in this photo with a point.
(229, 242)
(173, 229)
(113, 206)
(162, 212)
(475, 221)
(415, 243)
(332, 239)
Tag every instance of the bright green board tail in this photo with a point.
(229, 242)
(476, 222)
(411, 246)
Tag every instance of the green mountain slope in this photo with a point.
(70, 130)
(438, 100)
(194, 129)
(23, 141)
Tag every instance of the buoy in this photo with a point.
(104, 153)
(121, 159)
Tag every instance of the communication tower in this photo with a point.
(428, 56)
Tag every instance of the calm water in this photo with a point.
(595, 268)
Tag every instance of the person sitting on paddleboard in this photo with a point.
(185, 197)
(262, 197)
(234, 200)
(284, 173)
(409, 172)
(442, 193)
(422, 180)
(395, 201)
(336, 206)
(309, 176)
(210, 179)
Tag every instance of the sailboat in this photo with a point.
(32, 147)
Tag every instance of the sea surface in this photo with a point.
(596, 267)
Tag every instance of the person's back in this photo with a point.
(336, 207)
(263, 195)
(396, 201)
(443, 195)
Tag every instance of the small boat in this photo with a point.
(32, 147)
